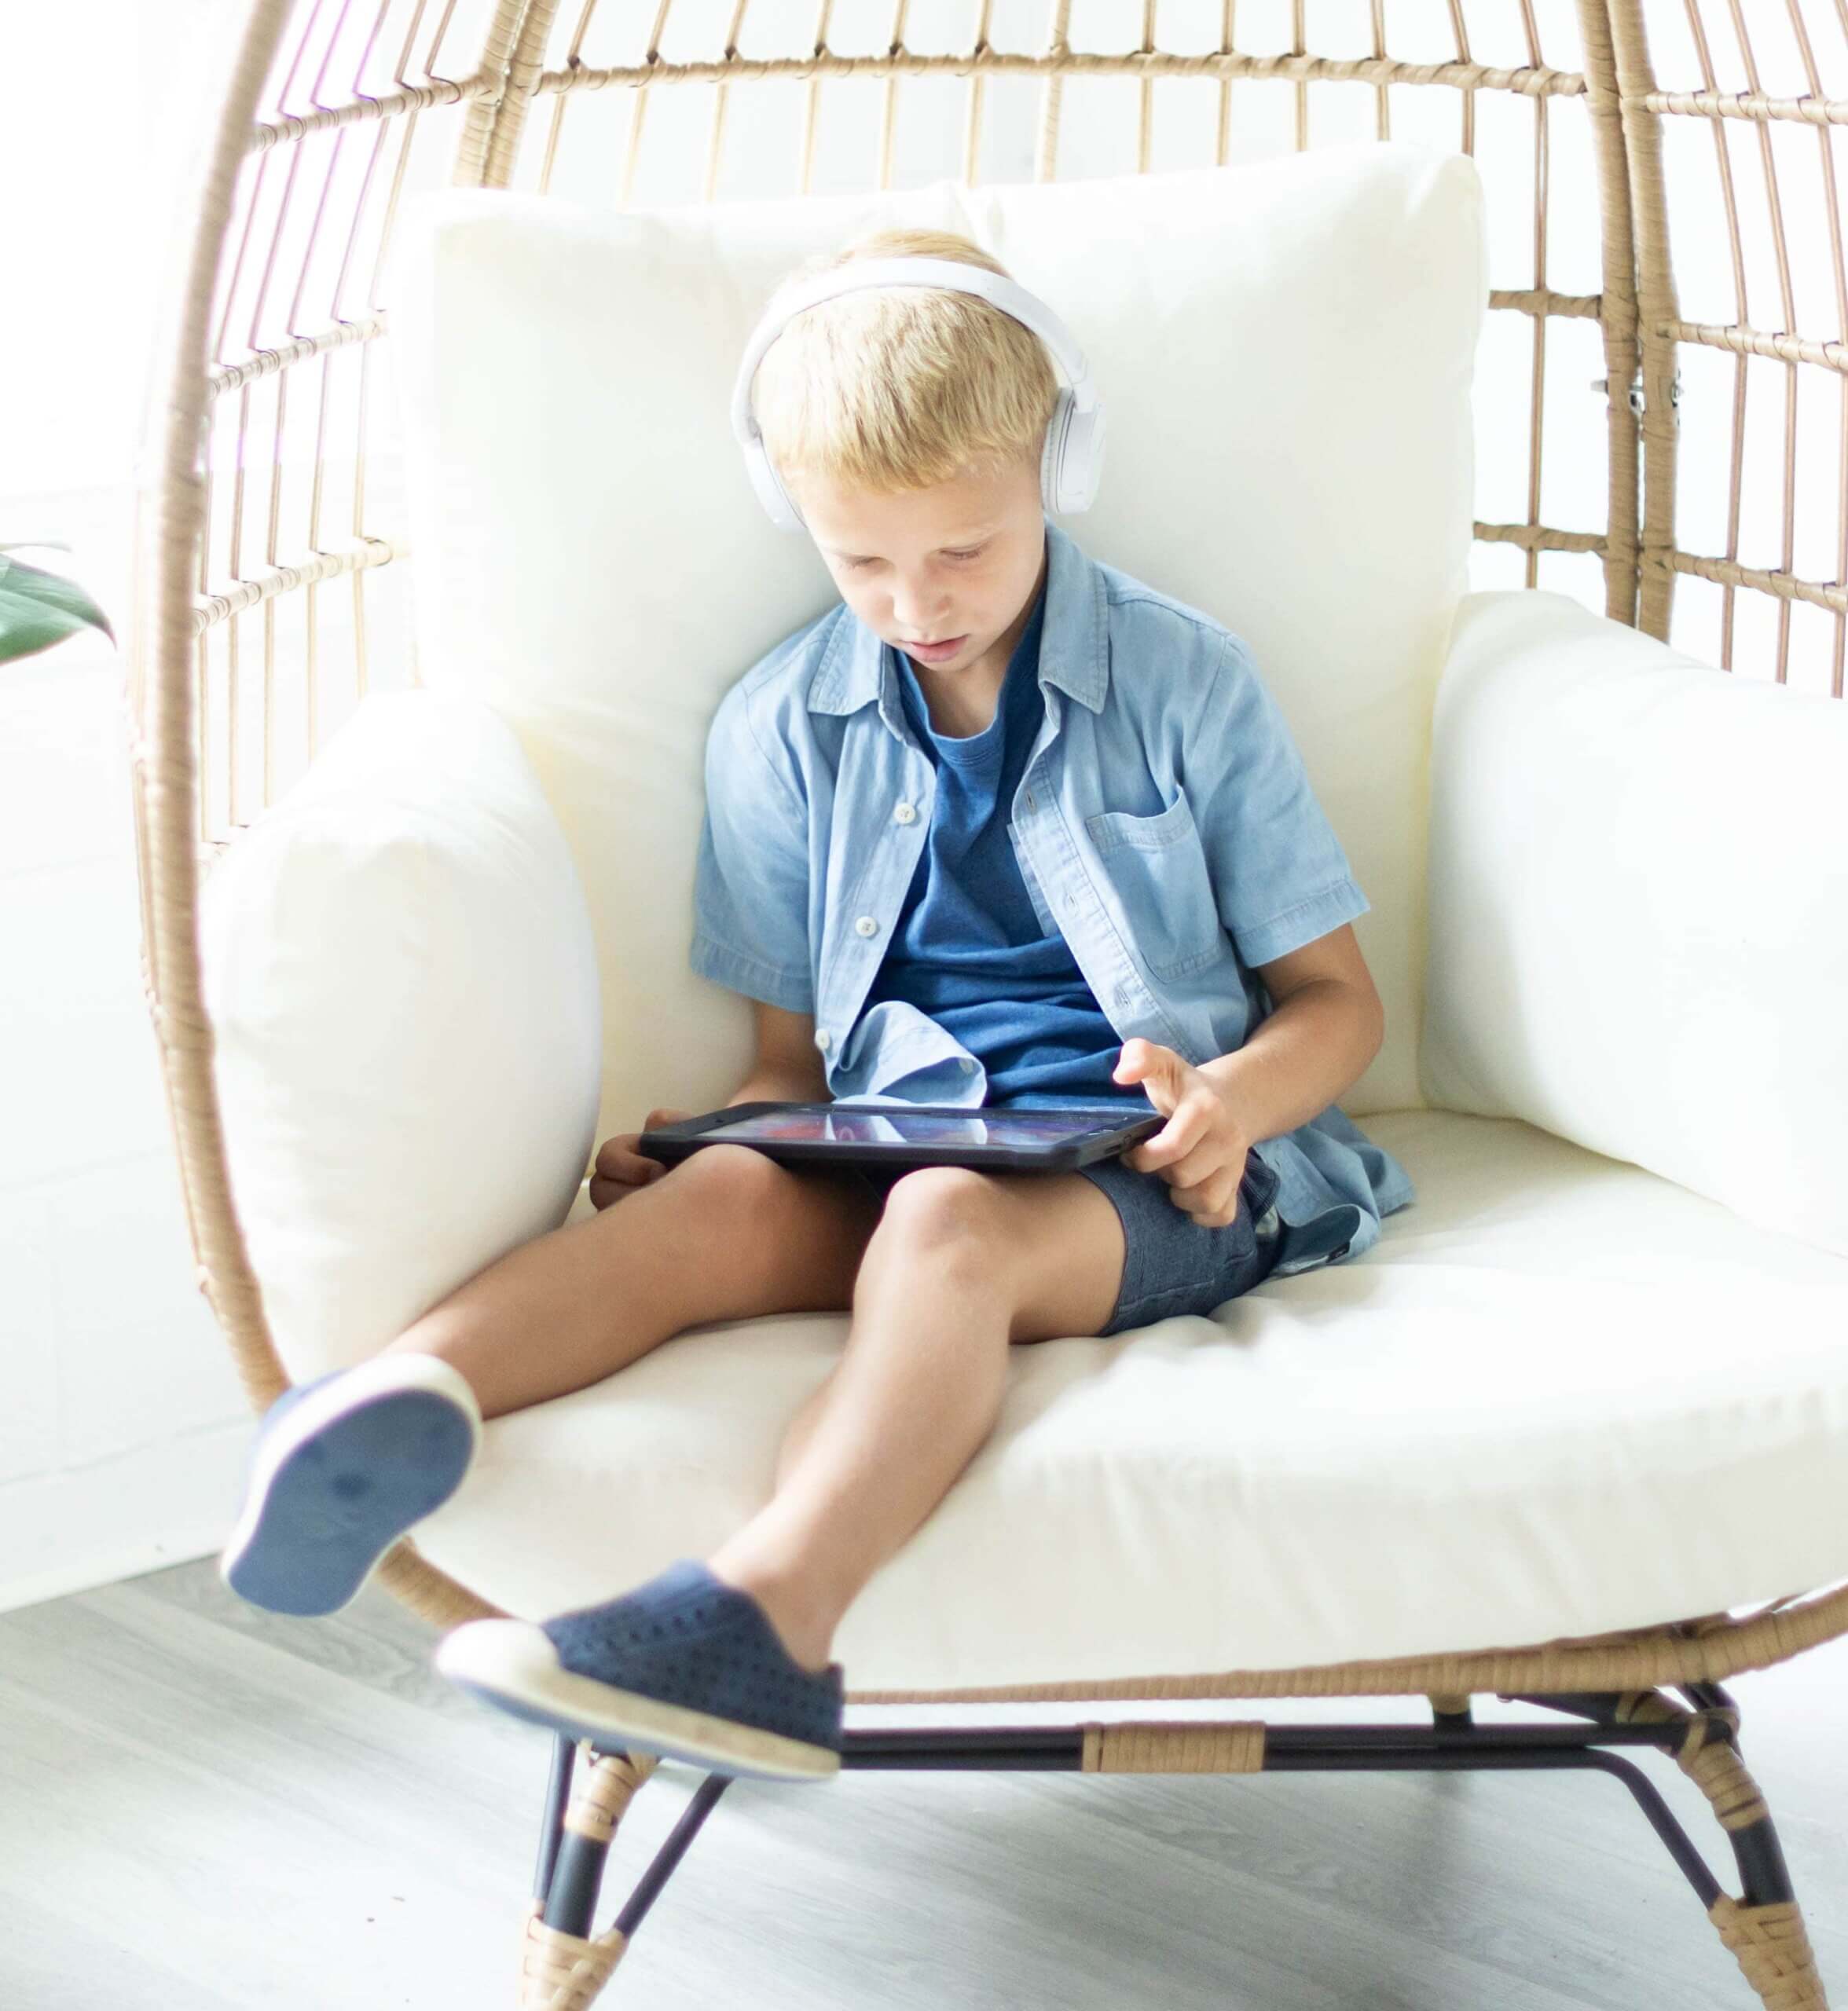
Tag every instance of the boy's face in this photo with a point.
(959, 563)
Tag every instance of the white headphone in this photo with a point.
(1073, 456)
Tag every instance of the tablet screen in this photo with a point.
(893, 1126)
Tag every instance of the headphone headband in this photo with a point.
(1074, 436)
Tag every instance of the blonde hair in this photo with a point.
(896, 388)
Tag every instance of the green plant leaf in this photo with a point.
(38, 610)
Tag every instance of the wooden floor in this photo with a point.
(203, 1806)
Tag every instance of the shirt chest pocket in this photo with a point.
(1158, 868)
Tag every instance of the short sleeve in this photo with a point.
(750, 883)
(1279, 873)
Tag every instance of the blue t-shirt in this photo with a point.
(969, 949)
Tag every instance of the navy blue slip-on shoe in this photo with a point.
(342, 1465)
(685, 1666)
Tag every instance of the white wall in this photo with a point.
(123, 1428)
(122, 1424)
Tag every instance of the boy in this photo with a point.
(1005, 826)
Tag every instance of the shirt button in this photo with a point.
(867, 926)
(823, 1039)
(1071, 898)
(968, 1064)
(905, 814)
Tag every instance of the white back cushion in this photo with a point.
(1289, 451)
(406, 1031)
(1639, 908)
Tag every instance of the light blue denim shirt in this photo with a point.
(1164, 825)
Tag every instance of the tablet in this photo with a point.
(1052, 1140)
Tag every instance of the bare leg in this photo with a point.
(961, 1264)
(726, 1233)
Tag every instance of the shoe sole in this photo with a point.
(331, 1491)
(513, 1664)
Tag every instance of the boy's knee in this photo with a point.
(940, 1207)
(733, 1176)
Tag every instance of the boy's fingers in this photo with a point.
(1176, 1138)
(622, 1150)
(1137, 1060)
(1208, 1203)
(615, 1182)
(1155, 1150)
(1195, 1166)
(617, 1159)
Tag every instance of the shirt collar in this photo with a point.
(1074, 641)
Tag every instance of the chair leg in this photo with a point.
(560, 1972)
(1764, 1928)
(564, 1967)
(1773, 1950)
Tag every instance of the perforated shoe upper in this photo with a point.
(687, 1637)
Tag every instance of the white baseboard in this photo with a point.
(160, 1504)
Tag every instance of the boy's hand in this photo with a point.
(1202, 1150)
(621, 1168)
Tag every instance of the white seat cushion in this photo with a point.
(1562, 1396)
(1290, 450)
(1639, 908)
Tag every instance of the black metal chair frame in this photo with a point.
(571, 1866)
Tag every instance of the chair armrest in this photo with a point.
(398, 967)
(1637, 878)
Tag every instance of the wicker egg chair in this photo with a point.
(502, 108)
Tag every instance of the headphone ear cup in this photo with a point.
(1052, 456)
(777, 502)
(1081, 459)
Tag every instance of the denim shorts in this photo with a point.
(1173, 1264)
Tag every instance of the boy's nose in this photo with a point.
(916, 611)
